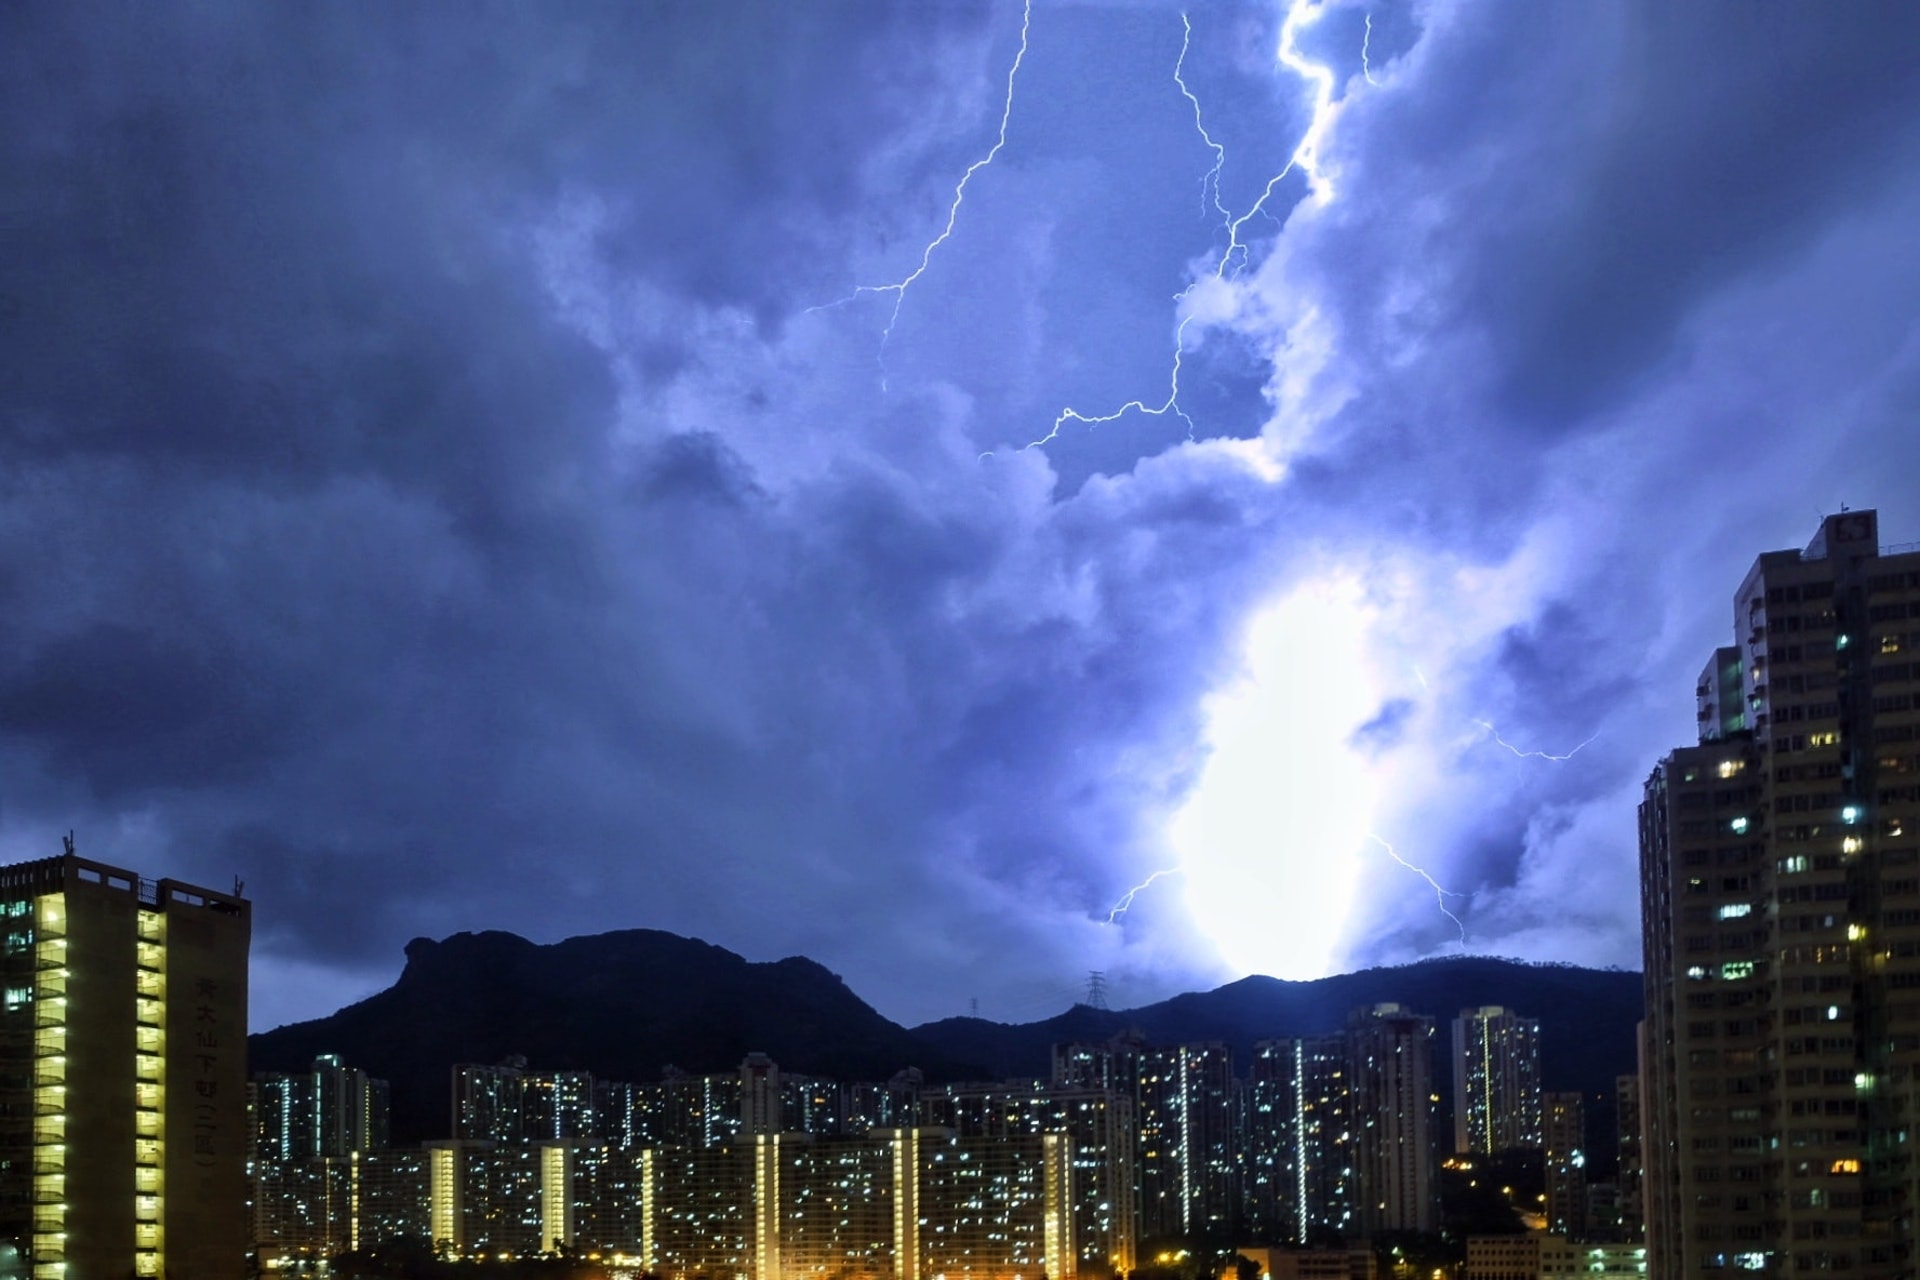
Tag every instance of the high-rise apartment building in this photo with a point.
(1780, 876)
(1299, 1140)
(557, 1105)
(1390, 1088)
(123, 1126)
(1188, 1165)
(1564, 1130)
(1496, 1080)
(506, 1103)
(1632, 1177)
(489, 1101)
(1097, 1127)
(299, 1119)
(330, 1109)
(1187, 1108)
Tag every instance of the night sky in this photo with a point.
(561, 468)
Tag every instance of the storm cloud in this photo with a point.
(470, 467)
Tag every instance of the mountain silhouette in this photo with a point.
(624, 1005)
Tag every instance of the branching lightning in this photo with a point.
(1440, 895)
(1300, 15)
(899, 287)
(1120, 908)
(1306, 155)
(1211, 182)
(1531, 755)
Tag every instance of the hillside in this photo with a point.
(625, 1005)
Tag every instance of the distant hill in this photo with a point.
(624, 1005)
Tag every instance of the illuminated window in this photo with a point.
(1734, 910)
(1796, 862)
(1850, 814)
(1846, 1164)
(1733, 970)
(1739, 826)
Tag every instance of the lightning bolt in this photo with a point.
(1306, 155)
(899, 287)
(1365, 41)
(1120, 907)
(1300, 15)
(1531, 755)
(1212, 180)
(1440, 895)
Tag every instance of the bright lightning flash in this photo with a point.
(1271, 837)
(1440, 895)
(899, 287)
(1531, 755)
(1366, 41)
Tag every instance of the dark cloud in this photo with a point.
(1734, 135)
(448, 479)
(128, 710)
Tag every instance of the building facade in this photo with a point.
(123, 1126)
(1780, 878)
(1564, 1126)
(1299, 1140)
(905, 1204)
(1390, 1092)
(1496, 1081)
(330, 1109)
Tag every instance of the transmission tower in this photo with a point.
(1097, 989)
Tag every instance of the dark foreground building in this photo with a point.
(1780, 871)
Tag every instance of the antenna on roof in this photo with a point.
(67, 841)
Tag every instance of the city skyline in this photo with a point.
(1321, 1142)
(670, 467)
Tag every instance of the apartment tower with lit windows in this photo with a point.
(1496, 1080)
(123, 1128)
(1780, 877)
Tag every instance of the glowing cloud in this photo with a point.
(1271, 839)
